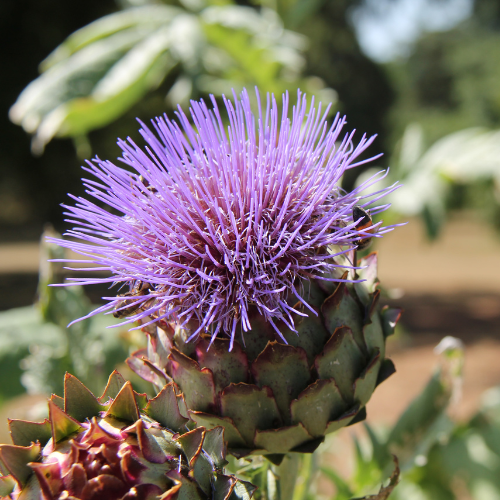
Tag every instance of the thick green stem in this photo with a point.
(288, 481)
(303, 477)
(288, 473)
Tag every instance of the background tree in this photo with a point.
(450, 82)
(34, 187)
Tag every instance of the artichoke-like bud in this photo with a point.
(273, 397)
(230, 237)
(120, 446)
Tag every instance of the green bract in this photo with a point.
(120, 446)
(273, 398)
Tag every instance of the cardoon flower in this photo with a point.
(237, 246)
(212, 222)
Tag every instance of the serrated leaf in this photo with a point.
(373, 334)
(317, 405)
(146, 369)
(264, 333)
(24, 433)
(242, 490)
(231, 433)
(203, 473)
(342, 360)
(124, 406)
(188, 490)
(165, 409)
(79, 402)
(154, 444)
(141, 398)
(16, 459)
(366, 383)
(192, 443)
(57, 400)
(285, 370)
(311, 333)
(226, 366)
(62, 425)
(282, 440)
(113, 387)
(196, 384)
(341, 310)
(223, 487)
(214, 446)
(345, 419)
(250, 408)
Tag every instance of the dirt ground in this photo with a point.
(449, 287)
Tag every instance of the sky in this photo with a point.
(387, 29)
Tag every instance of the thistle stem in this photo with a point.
(289, 480)
(303, 477)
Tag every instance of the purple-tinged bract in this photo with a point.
(223, 214)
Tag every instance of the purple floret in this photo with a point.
(211, 219)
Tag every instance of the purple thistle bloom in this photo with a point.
(215, 221)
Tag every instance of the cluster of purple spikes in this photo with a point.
(222, 216)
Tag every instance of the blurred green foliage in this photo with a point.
(458, 461)
(37, 347)
(440, 459)
(191, 48)
(459, 171)
(445, 124)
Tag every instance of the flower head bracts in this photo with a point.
(213, 221)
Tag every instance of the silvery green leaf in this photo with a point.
(148, 15)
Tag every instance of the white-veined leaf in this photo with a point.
(151, 15)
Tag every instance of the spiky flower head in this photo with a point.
(216, 217)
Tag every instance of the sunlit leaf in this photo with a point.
(152, 15)
(106, 67)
